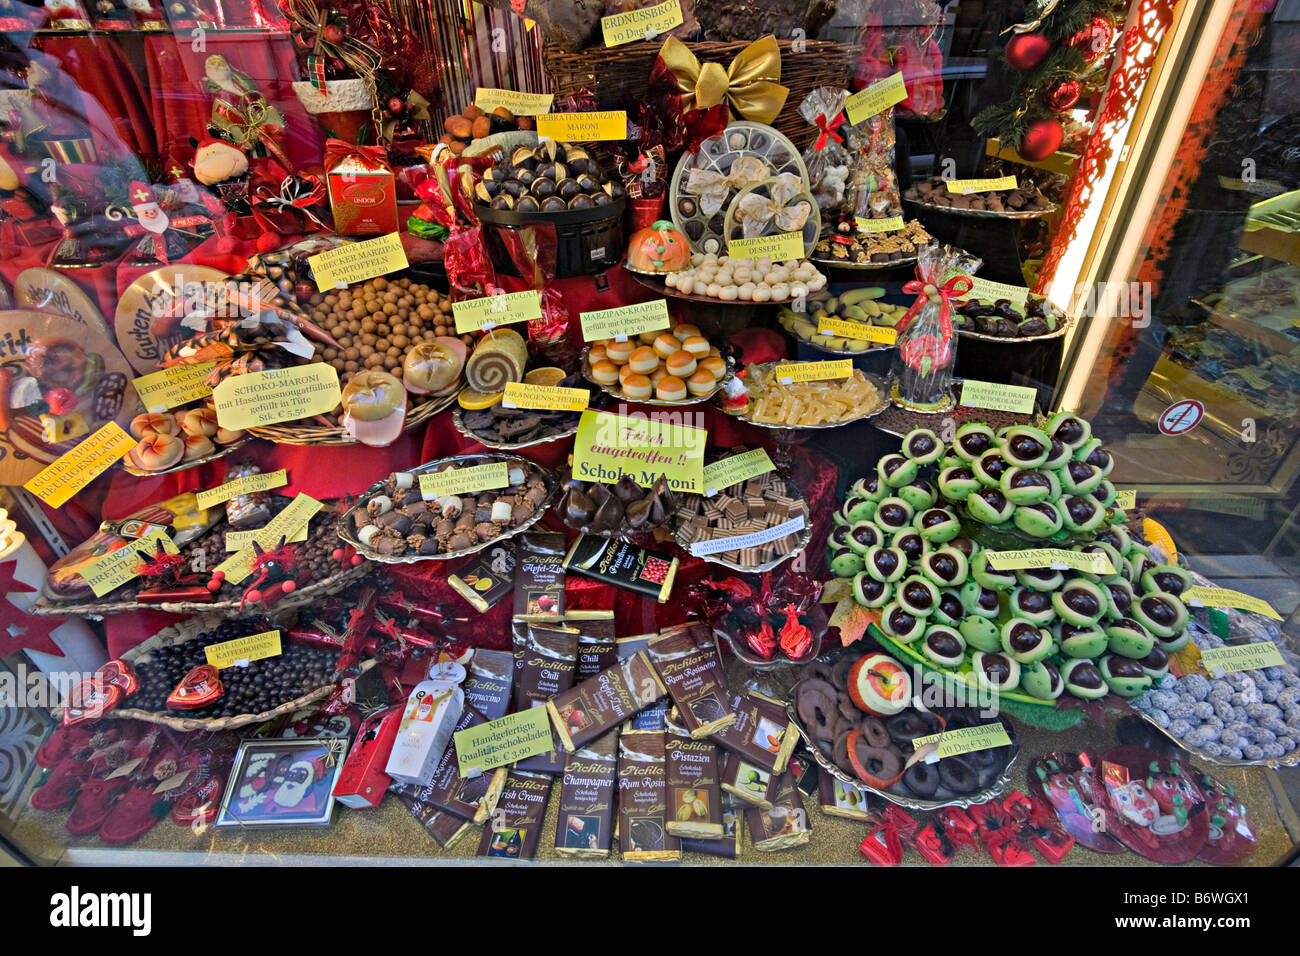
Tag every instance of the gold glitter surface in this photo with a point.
(389, 834)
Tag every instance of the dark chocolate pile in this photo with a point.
(1006, 321)
(624, 508)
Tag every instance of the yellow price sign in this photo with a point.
(358, 261)
(583, 127)
(1097, 562)
(624, 321)
(876, 98)
(736, 468)
(277, 395)
(73, 470)
(813, 371)
(847, 329)
(1226, 597)
(489, 311)
(459, 481)
(117, 567)
(246, 485)
(255, 647)
(962, 187)
(892, 224)
(994, 395)
(964, 740)
(545, 397)
(644, 24)
(520, 104)
(609, 446)
(782, 246)
(170, 387)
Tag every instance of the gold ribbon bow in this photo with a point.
(756, 211)
(751, 85)
(713, 188)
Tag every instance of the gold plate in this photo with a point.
(140, 303)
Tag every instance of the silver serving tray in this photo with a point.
(615, 392)
(996, 788)
(458, 420)
(1062, 327)
(347, 530)
(862, 266)
(221, 452)
(984, 213)
(805, 536)
(882, 388)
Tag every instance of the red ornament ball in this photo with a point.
(333, 33)
(1063, 95)
(396, 105)
(1026, 50)
(1042, 139)
(1095, 39)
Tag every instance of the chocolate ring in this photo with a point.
(840, 752)
(957, 775)
(873, 729)
(818, 670)
(922, 779)
(816, 706)
(905, 726)
(848, 709)
(882, 763)
(983, 759)
(840, 671)
(842, 726)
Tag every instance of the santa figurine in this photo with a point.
(165, 238)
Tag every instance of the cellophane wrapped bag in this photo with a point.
(927, 343)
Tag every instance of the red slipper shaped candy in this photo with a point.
(94, 804)
(63, 743)
(134, 815)
(198, 688)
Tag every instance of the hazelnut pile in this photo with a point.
(377, 321)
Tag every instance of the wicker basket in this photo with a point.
(179, 634)
(618, 75)
(306, 594)
(301, 433)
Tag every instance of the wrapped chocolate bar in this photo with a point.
(623, 565)
(783, 825)
(927, 345)
(826, 158)
(285, 203)
(489, 677)
(585, 826)
(692, 771)
(643, 835)
(762, 733)
(471, 799)
(840, 799)
(247, 510)
(539, 575)
(873, 187)
(597, 645)
(652, 716)
(686, 658)
(546, 660)
(517, 823)
(604, 701)
(488, 578)
(443, 827)
(727, 846)
(751, 783)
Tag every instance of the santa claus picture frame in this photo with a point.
(283, 782)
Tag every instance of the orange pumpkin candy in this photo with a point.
(658, 249)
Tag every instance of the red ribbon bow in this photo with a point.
(926, 292)
(336, 151)
(828, 128)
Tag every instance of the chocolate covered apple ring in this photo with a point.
(957, 775)
(873, 729)
(922, 779)
(817, 707)
(875, 766)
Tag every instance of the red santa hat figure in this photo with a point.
(148, 213)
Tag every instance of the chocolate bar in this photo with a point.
(597, 646)
(443, 827)
(546, 659)
(488, 682)
(762, 733)
(686, 658)
(726, 846)
(517, 823)
(643, 799)
(840, 799)
(694, 796)
(623, 565)
(473, 799)
(585, 826)
(603, 702)
(783, 825)
(652, 717)
(489, 578)
(751, 783)
(539, 575)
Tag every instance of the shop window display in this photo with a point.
(810, 433)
